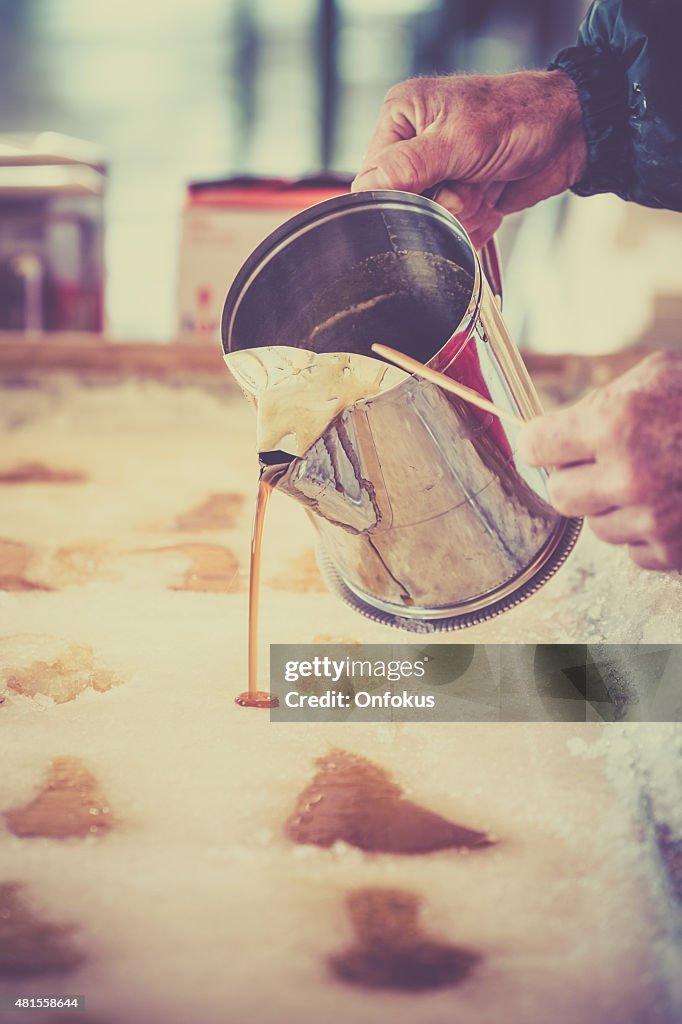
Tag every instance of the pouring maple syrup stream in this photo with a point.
(253, 697)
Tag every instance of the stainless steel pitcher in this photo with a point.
(426, 518)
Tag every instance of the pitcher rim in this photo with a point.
(330, 209)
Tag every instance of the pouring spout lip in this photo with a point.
(275, 458)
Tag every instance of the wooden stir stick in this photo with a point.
(446, 383)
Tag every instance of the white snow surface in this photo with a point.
(196, 907)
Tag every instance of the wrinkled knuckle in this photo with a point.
(404, 165)
(476, 130)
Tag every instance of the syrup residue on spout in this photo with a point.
(253, 697)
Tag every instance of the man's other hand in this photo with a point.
(617, 458)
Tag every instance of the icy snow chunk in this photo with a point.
(36, 664)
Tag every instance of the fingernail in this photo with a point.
(373, 177)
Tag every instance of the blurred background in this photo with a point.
(117, 121)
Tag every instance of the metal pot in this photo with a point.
(426, 518)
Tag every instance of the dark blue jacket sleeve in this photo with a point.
(627, 67)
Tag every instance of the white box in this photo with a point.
(221, 226)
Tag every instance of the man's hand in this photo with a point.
(618, 459)
(494, 143)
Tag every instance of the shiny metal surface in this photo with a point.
(423, 510)
(565, 544)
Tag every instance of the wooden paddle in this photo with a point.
(446, 383)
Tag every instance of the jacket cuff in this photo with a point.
(600, 76)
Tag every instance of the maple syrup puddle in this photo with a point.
(68, 804)
(391, 949)
(253, 697)
(354, 801)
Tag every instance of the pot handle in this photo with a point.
(490, 261)
(489, 256)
